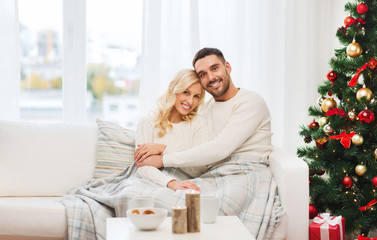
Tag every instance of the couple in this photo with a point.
(229, 159)
(176, 136)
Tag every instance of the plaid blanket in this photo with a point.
(245, 188)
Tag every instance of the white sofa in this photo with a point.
(40, 162)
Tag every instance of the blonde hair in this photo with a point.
(165, 104)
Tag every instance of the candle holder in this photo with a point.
(179, 220)
(193, 211)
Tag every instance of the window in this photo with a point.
(41, 59)
(113, 59)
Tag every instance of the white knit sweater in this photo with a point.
(240, 126)
(182, 136)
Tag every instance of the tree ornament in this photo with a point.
(360, 169)
(311, 172)
(332, 76)
(375, 153)
(374, 181)
(364, 94)
(320, 172)
(347, 182)
(307, 139)
(366, 116)
(362, 8)
(327, 129)
(357, 139)
(348, 21)
(314, 125)
(328, 103)
(312, 211)
(352, 114)
(320, 100)
(342, 31)
(354, 49)
(322, 121)
(321, 143)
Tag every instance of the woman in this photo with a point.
(176, 124)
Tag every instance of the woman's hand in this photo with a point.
(187, 184)
(145, 150)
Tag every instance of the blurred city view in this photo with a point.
(113, 62)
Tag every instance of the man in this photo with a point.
(239, 121)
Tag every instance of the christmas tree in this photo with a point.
(341, 142)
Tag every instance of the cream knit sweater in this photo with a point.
(182, 136)
(240, 126)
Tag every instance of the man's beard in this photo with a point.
(222, 91)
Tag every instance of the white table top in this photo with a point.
(225, 228)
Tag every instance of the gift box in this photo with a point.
(325, 227)
(360, 237)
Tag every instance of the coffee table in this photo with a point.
(225, 228)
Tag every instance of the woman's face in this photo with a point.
(189, 99)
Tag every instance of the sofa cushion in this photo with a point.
(32, 216)
(45, 159)
(115, 149)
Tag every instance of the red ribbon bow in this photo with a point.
(356, 77)
(335, 111)
(353, 21)
(345, 138)
(365, 238)
(369, 205)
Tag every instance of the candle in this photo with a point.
(193, 211)
(179, 220)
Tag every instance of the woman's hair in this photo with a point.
(165, 104)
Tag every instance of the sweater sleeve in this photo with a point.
(247, 116)
(144, 131)
(144, 134)
(154, 175)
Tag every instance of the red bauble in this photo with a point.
(332, 76)
(362, 8)
(347, 182)
(312, 211)
(348, 20)
(314, 125)
(366, 116)
(374, 181)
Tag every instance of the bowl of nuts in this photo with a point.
(147, 218)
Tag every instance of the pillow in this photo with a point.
(115, 149)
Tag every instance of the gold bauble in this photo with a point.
(360, 169)
(364, 94)
(354, 49)
(375, 153)
(328, 103)
(357, 139)
(322, 121)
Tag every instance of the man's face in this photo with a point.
(214, 75)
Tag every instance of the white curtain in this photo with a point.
(9, 61)
(278, 48)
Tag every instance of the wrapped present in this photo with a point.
(325, 227)
(360, 237)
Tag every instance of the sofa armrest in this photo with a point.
(292, 177)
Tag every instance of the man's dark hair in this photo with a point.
(204, 52)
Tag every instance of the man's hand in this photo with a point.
(187, 184)
(154, 161)
(148, 149)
